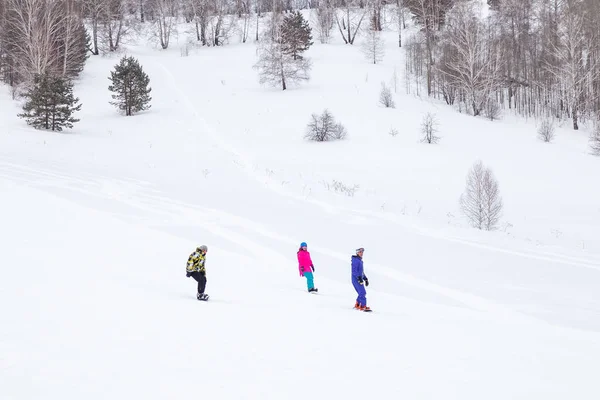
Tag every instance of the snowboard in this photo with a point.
(314, 291)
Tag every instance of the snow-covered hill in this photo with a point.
(96, 225)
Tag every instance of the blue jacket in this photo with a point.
(357, 268)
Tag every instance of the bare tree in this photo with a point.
(400, 19)
(324, 19)
(245, 14)
(323, 128)
(94, 11)
(349, 20)
(481, 202)
(385, 96)
(539, 58)
(376, 14)
(165, 17)
(277, 68)
(595, 139)
(546, 130)
(574, 68)
(201, 14)
(114, 24)
(41, 37)
(472, 63)
(430, 14)
(33, 26)
(221, 24)
(429, 129)
(373, 46)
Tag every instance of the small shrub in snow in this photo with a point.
(429, 129)
(130, 86)
(546, 131)
(50, 103)
(385, 96)
(491, 109)
(394, 132)
(481, 202)
(323, 128)
(595, 139)
(340, 187)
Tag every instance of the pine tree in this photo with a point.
(130, 85)
(296, 36)
(50, 103)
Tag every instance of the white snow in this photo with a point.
(96, 225)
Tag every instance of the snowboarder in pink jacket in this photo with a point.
(306, 267)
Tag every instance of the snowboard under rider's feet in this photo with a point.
(313, 290)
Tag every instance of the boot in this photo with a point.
(357, 306)
(202, 296)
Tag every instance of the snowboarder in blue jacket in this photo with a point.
(360, 280)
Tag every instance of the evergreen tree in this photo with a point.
(130, 85)
(50, 103)
(296, 35)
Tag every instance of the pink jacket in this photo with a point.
(304, 262)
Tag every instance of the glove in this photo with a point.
(360, 280)
(313, 268)
(366, 282)
(188, 274)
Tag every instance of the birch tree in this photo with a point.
(40, 37)
(165, 18)
(575, 69)
(481, 201)
(473, 63)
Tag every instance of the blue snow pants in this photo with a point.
(310, 283)
(362, 292)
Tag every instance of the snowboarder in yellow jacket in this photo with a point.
(197, 270)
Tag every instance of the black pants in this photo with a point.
(201, 279)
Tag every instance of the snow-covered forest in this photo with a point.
(539, 58)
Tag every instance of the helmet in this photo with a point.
(360, 249)
(203, 248)
(303, 244)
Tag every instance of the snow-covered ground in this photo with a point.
(96, 226)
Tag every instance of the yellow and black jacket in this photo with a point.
(196, 262)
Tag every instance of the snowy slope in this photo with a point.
(96, 226)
